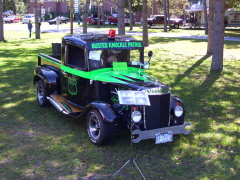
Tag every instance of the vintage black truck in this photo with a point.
(102, 78)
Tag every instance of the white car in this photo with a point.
(28, 17)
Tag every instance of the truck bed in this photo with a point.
(49, 60)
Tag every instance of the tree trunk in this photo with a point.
(121, 16)
(103, 15)
(37, 25)
(145, 24)
(211, 26)
(168, 15)
(71, 16)
(205, 16)
(99, 15)
(1, 21)
(217, 58)
(85, 17)
(165, 15)
(131, 15)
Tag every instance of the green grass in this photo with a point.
(40, 143)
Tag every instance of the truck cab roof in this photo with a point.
(103, 42)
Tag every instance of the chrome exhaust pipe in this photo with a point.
(56, 105)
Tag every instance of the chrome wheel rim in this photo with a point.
(40, 94)
(94, 126)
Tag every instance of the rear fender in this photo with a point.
(49, 77)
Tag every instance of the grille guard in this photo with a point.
(151, 134)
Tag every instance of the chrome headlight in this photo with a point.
(178, 111)
(136, 116)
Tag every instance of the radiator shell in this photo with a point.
(158, 114)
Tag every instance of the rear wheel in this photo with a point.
(42, 94)
(99, 131)
(176, 26)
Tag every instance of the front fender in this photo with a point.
(105, 110)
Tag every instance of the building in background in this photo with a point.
(50, 8)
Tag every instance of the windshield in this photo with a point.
(106, 58)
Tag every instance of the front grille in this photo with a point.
(157, 115)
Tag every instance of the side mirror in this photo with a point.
(150, 53)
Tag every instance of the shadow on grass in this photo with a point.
(41, 143)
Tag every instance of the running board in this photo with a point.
(63, 106)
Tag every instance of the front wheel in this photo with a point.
(99, 131)
(42, 94)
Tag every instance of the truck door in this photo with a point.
(74, 85)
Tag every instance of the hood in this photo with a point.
(133, 78)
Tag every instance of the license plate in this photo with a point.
(164, 138)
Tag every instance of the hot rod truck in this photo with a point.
(102, 78)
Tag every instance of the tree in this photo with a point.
(205, 16)
(211, 27)
(217, 58)
(145, 24)
(1, 21)
(232, 4)
(121, 17)
(131, 15)
(85, 16)
(165, 15)
(17, 6)
(37, 27)
(99, 3)
(176, 7)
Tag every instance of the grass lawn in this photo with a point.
(40, 143)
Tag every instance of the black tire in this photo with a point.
(150, 25)
(176, 26)
(42, 94)
(99, 131)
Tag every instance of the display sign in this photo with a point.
(128, 97)
(115, 45)
(120, 66)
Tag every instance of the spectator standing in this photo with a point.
(79, 19)
(58, 21)
(30, 28)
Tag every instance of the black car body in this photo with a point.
(62, 20)
(111, 96)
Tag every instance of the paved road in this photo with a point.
(66, 29)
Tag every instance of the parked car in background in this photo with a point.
(12, 19)
(62, 20)
(113, 19)
(28, 17)
(94, 19)
(158, 20)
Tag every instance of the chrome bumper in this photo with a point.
(151, 134)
